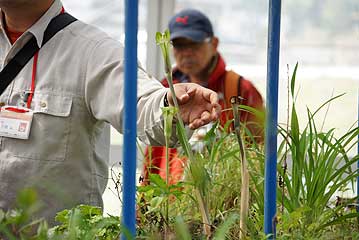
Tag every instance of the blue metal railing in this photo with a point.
(130, 118)
(272, 117)
(358, 160)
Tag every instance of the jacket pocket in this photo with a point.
(50, 130)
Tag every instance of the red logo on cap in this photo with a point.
(182, 19)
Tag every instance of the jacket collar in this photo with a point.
(217, 74)
(40, 26)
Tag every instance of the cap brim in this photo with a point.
(196, 36)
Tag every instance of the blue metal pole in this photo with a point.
(358, 160)
(130, 119)
(272, 117)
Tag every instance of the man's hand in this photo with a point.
(198, 105)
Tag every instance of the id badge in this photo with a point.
(15, 122)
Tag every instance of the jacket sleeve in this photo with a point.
(104, 93)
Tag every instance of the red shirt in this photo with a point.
(12, 35)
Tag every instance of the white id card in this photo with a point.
(15, 122)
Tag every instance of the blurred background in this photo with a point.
(321, 35)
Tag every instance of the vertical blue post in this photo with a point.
(358, 160)
(130, 118)
(272, 117)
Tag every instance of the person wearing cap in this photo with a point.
(195, 49)
(69, 93)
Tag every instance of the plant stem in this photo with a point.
(163, 39)
(168, 113)
(167, 182)
(244, 170)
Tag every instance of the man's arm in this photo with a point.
(104, 96)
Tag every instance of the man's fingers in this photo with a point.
(206, 116)
(186, 94)
(216, 111)
(196, 124)
(183, 93)
(213, 99)
(210, 96)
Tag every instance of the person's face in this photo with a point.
(193, 57)
(23, 3)
(13, 3)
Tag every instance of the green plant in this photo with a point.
(155, 201)
(86, 222)
(320, 167)
(19, 223)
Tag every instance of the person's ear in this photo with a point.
(215, 42)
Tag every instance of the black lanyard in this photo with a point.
(24, 55)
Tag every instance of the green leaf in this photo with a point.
(294, 126)
(62, 216)
(158, 37)
(26, 198)
(156, 180)
(223, 230)
(167, 36)
(340, 219)
(181, 229)
(293, 80)
(2, 215)
(156, 203)
(168, 114)
(90, 211)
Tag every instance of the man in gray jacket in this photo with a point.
(68, 93)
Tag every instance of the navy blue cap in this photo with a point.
(191, 24)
